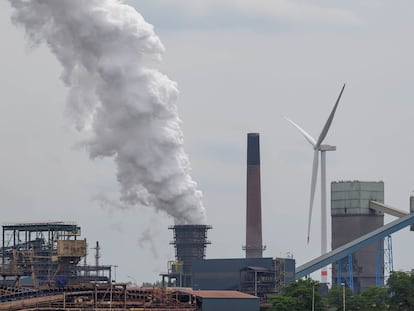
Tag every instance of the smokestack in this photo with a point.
(253, 247)
(190, 243)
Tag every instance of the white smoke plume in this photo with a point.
(127, 107)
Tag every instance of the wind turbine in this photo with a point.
(318, 147)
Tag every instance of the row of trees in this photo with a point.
(304, 295)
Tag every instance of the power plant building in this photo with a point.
(352, 218)
(254, 276)
(190, 242)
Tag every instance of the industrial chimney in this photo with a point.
(254, 247)
(190, 243)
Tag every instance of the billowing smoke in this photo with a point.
(127, 108)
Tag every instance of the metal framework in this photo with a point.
(96, 297)
(379, 268)
(349, 281)
(389, 261)
(257, 281)
(33, 254)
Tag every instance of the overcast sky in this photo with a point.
(240, 67)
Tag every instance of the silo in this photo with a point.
(352, 218)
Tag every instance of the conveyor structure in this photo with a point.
(381, 207)
(353, 246)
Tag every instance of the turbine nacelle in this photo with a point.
(327, 148)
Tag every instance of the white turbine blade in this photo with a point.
(309, 138)
(329, 121)
(313, 187)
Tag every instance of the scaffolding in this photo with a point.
(348, 278)
(36, 254)
(257, 281)
(284, 272)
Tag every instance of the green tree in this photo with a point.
(283, 303)
(299, 295)
(374, 298)
(335, 300)
(401, 290)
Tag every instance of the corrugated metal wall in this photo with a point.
(230, 304)
(352, 197)
(224, 274)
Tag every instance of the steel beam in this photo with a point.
(386, 209)
(353, 246)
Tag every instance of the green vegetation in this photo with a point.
(299, 296)
(304, 294)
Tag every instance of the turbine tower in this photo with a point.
(318, 147)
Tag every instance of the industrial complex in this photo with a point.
(244, 64)
(43, 266)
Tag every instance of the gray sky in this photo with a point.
(240, 67)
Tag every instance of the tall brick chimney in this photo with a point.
(254, 247)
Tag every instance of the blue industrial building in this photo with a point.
(207, 300)
(255, 276)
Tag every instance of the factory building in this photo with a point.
(352, 218)
(190, 242)
(254, 276)
(207, 300)
(49, 253)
